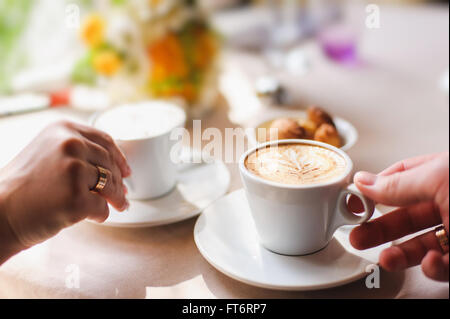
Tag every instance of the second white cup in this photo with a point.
(143, 133)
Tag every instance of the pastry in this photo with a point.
(309, 126)
(319, 116)
(328, 134)
(285, 128)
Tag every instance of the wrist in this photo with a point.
(9, 243)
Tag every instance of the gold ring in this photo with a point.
(102, 179)
(442, 237)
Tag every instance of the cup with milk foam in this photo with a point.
(297, 191)
(143, 133)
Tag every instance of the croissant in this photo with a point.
(309, 126)
(285, 128)
(319, 116)
(328, 134)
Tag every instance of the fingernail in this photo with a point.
(365, 178)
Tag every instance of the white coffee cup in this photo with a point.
(143, 133)
(301, 219)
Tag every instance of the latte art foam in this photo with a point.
(296, 164)
(141, 120)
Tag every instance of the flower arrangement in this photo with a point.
(150, 48)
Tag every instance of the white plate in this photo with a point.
(198, 186)
(346, 130)
(226, 237)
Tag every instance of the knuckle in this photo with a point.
(101, 153)
(107, 138)
(72, 146)
(110, 145)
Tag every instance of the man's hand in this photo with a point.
(47, 187)
(420, 187)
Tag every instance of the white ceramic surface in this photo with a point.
(347, 131)
(225, 235)
(154, 171)
(301, 219)
(198, 186)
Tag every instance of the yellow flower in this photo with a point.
(107, 62)
(93, 29)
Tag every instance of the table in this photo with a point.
(394, 101)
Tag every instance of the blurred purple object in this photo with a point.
(340, 45)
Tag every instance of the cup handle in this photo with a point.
(343, 216)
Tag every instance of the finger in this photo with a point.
(107, 142)
(395, 225)
(410, 253)
(113, 191)
(404, 188)
(407, 164)
(435, 266)
(99, 156)
(98, 209)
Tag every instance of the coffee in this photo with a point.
(300, 198)
(139, 121)
(296, 164)
(143, 131)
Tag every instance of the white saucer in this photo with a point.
(198, 186)
(347, 131)
(226, 237)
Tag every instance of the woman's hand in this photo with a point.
(419, 186)
(47, 187)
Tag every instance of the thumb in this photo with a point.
(403, 188)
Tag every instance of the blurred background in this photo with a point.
(94, 54)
